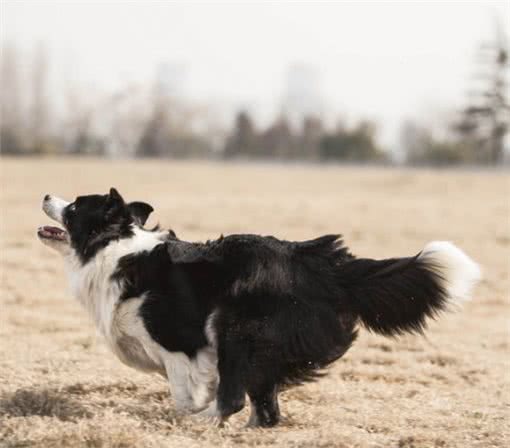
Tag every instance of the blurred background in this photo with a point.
(279, 106)
(419, 83)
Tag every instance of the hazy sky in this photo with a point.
(385, 61)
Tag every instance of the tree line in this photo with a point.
(310, 142)
(147, 122)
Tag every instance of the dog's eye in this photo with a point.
(72, 207)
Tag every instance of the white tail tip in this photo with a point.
(459, 272)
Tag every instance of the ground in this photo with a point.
(59, 385)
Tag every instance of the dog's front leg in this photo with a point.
(204, 377)
(178, 371)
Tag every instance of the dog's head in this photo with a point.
(91, 222)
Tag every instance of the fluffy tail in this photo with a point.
(397, 295)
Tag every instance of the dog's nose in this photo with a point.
(47, 197)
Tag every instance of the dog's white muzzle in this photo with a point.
(54, 207)
(54, 237)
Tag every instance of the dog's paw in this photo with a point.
(210, 415)
(185, 409)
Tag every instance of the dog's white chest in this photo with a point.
(192, 381)
(117, 321)
(130, 341)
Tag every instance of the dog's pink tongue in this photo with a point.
(51, 232)
(51, 229)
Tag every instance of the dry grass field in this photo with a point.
(59, 386)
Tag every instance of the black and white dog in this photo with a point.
(243, 314)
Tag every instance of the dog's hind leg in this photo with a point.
(232, 370)
(265, 410)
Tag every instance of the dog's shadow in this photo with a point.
(44, 403)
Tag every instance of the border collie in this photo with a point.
(243, 314)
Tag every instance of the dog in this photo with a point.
(242, 314)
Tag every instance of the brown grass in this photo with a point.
(59, 385)
(44, 403)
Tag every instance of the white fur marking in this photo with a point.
(91, 282)
(193, 382)
(210, 412)
(459, 272)
(54, 207)
(209, 329)
(130, 340)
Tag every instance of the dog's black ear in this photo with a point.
(114, 196)
(140, 211)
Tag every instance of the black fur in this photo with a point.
(95, 220)
(283, 310)
(393, 296)
(140, 211)
(179, 295)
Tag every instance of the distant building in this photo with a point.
(302, 96)
(172, 80)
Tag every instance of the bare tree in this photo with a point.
(39, 107)
(278, 140)
(485, 121)
(154, 136)
(310, 137)
(75, 133)
(242, 141)
(11, 119)
(356, 144)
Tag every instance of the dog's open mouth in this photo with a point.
(52, 233)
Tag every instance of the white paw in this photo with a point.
(202, 395)
(186, 407)
(210, 415)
